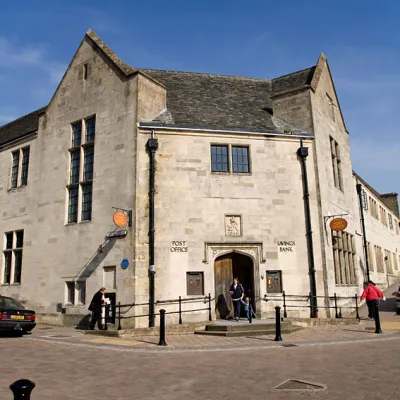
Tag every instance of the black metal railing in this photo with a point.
(294, 301)
(120, 311)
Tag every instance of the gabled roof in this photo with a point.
(197, 99)
(21, 127)
(381, 197)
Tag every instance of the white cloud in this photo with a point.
(15, 56)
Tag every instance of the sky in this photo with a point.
(254, 38)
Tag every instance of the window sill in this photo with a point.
(15, 284)
(16, 189)
(5, 284)
(344, 285)
(78, 223)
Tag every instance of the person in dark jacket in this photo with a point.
(237, 292)
(96, 308)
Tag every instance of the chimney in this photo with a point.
(390, 199)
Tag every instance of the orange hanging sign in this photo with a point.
(120, 219)
(338, 224)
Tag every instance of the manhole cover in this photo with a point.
(294, 384)
(58, 336)
(289, 345)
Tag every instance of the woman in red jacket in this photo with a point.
(372, 294)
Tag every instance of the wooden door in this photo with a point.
(223, 279)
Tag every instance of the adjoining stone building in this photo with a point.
(230, 191)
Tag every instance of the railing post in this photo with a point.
(105, 327)
(377, 318)
(340, 312)
(336, 308)
(357, 313)
(278, 336)
(22, 389)
(180, 310)
(162, 341)
(209, 307)
(250, 312)
(119, 315)
(284, 305)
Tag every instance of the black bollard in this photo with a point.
(22, 389)
(278, 337)
(162, 341)
(250, 312)
(377, 318)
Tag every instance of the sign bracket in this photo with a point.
(327, 217)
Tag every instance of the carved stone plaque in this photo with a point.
(233, 225)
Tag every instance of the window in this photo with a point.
(88, 163)
(25, 166)
(90, 124)
(388, 262)
(219, 159)
(379, 259)
(344, 253)
(336, 164)
(81, 179)
(86, 202)
(274, 281)
(109, 277)
(233, 159)
(240, 159)
(370, 257)
(195, 283)
(12, 257)
(81, 291)
(383, 216)
(85, 72)
(75, 293)
(77, 134)
(70, 295)
(395, 263)
(331, 107)
(20, 167)
(390, 221)
(396, 224)
(373, 207)
(15, 167)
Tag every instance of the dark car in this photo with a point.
(398, 302)
(14, 317)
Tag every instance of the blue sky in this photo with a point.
(255, 38)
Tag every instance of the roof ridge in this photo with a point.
(293, 73)
(204, 74)
(123, 66)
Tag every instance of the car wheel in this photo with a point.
(398, 311)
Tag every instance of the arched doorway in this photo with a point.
(227, 267)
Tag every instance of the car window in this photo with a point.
(10, 304)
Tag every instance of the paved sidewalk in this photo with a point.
(190, 342)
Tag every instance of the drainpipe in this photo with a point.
(359, 192)
(152, 146)
(302, 152)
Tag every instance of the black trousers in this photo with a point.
(96, 317)
(236, 308)
(370, 304)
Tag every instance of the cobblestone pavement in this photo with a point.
(352, 363)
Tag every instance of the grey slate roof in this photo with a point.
(216, 101)
(296, 80)
(20, 127)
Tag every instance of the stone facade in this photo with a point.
(201, 216)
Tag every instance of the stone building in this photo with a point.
(235, 161)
